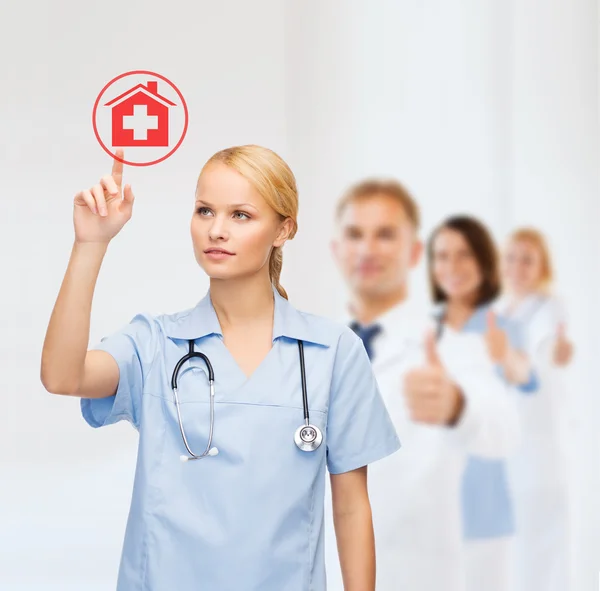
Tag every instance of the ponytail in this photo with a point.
(275, 266)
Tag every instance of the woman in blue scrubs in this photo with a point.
(465, 281)
(247, 516)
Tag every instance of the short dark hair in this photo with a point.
(484, 250)
(389, 187)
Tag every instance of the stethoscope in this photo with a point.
(307, 437)
(439, 318)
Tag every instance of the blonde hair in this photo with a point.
(273, 179)
(538, 240)
(392, 188)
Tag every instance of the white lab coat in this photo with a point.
(538, 471)
(415, 493)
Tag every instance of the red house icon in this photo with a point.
(140, 117)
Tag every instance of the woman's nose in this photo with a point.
(453, 265)
(218, 229)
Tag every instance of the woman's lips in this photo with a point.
(217, 254)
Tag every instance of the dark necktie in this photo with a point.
(367, 334)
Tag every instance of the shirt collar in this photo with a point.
(405, 320)
(478, 318)
(288, 322)
(472, 323)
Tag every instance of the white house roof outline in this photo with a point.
(139, 88)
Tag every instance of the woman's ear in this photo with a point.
(285, 231)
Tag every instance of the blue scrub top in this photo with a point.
(250, 518)
(486, 505)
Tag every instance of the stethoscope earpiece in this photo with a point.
(213, 451)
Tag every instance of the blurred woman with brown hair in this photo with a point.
(465, 282)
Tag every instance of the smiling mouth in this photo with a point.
(454, 282)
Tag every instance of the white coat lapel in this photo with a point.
(390, 350)
(404, 330)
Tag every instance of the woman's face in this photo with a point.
(233, 228)
(455, 269)
(522, 266)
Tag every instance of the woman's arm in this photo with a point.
(67, 367)
(354, 529)
(516, 367)
(515, 364)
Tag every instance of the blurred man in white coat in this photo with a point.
(444, 396)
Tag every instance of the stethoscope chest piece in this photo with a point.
(308, 437)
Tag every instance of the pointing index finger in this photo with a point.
(117, 169)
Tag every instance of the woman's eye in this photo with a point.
(205, 211)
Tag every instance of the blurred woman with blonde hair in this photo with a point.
(538, 472)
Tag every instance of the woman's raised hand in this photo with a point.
(100, 212)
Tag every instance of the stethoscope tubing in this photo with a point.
(211, 380)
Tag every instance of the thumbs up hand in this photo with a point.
(431, 396)
(496, 339)
(431, 354)
(563, 348)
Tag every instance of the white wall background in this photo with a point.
(64, 487)
(480, 106)
(484, 107)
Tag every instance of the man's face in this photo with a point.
(376, 245)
